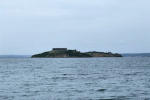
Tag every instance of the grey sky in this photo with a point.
(33, 26)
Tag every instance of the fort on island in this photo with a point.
(67, 53)
(59, 49)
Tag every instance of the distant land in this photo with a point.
(136, 54)
(15, 56)
(67, 53)
(123, 54)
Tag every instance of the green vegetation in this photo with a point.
(73, 53)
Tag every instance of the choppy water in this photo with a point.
(75, 79)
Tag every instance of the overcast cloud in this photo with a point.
(34, 26)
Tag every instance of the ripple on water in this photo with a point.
(75, 79)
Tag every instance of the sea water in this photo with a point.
(126, 78)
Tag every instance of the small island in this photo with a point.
(66, 53)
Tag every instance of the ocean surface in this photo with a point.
(126, 78)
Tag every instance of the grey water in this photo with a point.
(126, 78)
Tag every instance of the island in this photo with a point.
(67, 53)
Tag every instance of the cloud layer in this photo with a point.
(31, 26)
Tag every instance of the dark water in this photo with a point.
(75, 79)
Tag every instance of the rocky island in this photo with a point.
(65, 53)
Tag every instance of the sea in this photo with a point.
(122, 78)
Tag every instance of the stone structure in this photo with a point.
(59, 49)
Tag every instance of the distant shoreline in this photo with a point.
(15, 56)
(123, 54)
(136, 54)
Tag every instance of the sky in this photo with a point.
(34, 26)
